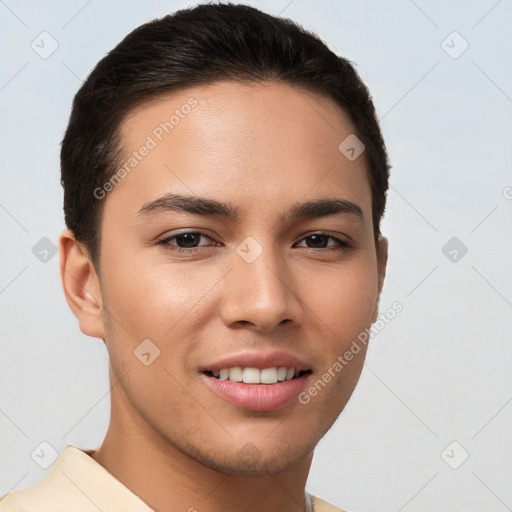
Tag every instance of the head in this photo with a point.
(191, 152)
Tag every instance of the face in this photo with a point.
(225, 306)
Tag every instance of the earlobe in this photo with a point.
(81, 285)
(382, 260)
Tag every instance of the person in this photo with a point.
(224, 181)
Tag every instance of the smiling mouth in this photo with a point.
(250, 375)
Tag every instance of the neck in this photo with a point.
(168, 480)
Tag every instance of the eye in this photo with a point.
(189, 241)
(185, 242)
(319, 241)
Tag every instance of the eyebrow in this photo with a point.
(210, 207)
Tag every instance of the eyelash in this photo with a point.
(342, 245)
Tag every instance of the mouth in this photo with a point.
(256, 381)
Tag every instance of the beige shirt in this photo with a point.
(77, 483)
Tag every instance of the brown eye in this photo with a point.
(184, 242)
(320, 241)
(187, 240)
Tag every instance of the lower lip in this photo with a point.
(257, 397)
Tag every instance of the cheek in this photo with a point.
(151, 297)
(343, 299)
(160, 303)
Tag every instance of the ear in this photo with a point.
(382, 261)
(81, 285)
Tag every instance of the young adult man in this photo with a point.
(224, 180)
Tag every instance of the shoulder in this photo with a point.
(74, 478)
(320, 505)
(58, 487)
(29, 499)
(12, 502)
(4, 504)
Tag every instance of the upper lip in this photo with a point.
(259, 360)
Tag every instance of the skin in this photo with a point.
(262, 148)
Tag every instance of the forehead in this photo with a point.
(251, 144)
(234, 105)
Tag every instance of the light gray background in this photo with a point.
(439, 372)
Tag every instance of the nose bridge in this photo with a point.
(260, 289)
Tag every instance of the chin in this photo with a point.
(249, 460)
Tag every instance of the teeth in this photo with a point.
(235, 374)
(268, 376)
(281, 373)
(251, 376)
(254, 375)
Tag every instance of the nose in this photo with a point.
(261, 294)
